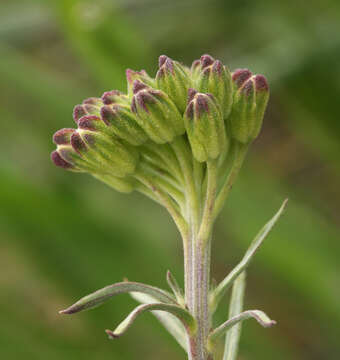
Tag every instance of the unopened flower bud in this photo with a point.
(114, 97)
(173, 79)
(123, 185)
(156, 113)
(142, 76)
(250, 101)
(123, 123)
(215, 78)
(111, 155)
(89, 106)
(205, 126)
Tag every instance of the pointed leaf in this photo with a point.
(224, 285)
(175, 288)
(183, 315)
(258, 315)
(169, 321)
(236, 306)
(100, 296)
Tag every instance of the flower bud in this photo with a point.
(156, 113)
(215, 78)
(109, 154)
(250, 101)
(142, 76)
(173, 79)
(89, 106)
(114, 97)
(205, 126)
(123, 124)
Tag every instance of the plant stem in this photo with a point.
(199, 272)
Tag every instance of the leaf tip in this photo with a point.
(111, 334)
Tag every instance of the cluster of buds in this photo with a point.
(206, 105)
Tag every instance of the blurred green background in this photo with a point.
(63, 235)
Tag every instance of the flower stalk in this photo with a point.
(180, 139)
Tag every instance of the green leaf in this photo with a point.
(183, 315)
(172, 282)
(258, 315)
(100, 296)
(169, 321)
(236, 306)
(224, 285)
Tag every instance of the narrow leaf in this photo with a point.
(100, 296)
(224, 285)
(183, 315)
(236, 306)
(175, 288)
(258, 315)
(169, 321)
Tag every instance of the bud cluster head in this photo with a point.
(205, 104)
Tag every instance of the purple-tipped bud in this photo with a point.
(213, 77)
(250, 101)
(59, 161)
(114, 97)
(90, 122)
(78, 112)
(156, 114)
(123, 124)
(77, 143)
(138, 86)
(93, 101)
(206, 60)
(63, 136)
(240, 76)
(142, 76)
(205, 126)
(173, 79)
(191, 93)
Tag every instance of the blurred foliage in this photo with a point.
(64, 235)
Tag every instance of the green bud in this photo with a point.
(142, 76)
(123, 124)
(250, 101)
(215, 78)
(173, 79)
(89, 106)
(111, 155)
(114, 97)
(205, 126)
(156, 113)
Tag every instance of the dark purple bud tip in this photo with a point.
(138, 86)
(189, 112)
(261, 83)
(206, 60)
(107, 113)
(92, 101)
(78, 143)
(240, 76)
(162, 59)
(217, 67)
(191, 94)
(201, 104)
(90, 139)
(111, 334)
(59, 161)
(63, 136)
(89, 122)
(248, 87)
(78, 112)
(109, 96)
(131, 75)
